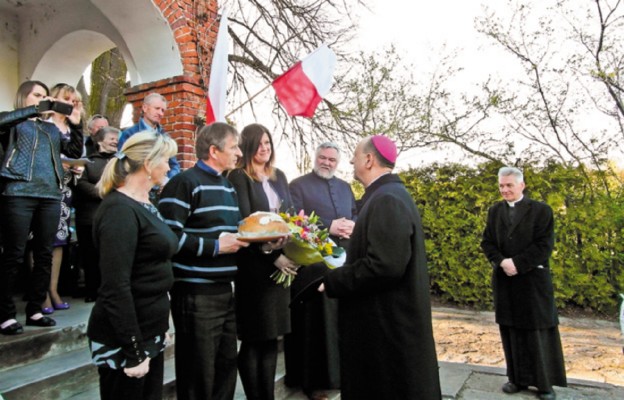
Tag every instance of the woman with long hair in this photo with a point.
(262, 313)
(65, 123)
(31, 177)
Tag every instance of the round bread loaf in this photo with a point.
(261, 224)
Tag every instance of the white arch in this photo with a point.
(59, 64)
(147, 37)
(59, 39)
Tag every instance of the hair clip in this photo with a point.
(120, 155)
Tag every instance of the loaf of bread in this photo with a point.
(263, 224)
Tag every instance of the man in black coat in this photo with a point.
(387, 349)
(518, 241)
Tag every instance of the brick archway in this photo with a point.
(194, 26)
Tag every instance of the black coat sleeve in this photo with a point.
(386, 237)
(489, 241)
(10, 119)
(74, 147)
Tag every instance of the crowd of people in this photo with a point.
(157, 241)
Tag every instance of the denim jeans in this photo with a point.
(205, 345)
(18, 217)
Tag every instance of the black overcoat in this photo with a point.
(261, 305)
(526, 300)
(387, 349)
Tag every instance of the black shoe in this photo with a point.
(13, 329)
(547, 395)
(43, 322)
(511, 388)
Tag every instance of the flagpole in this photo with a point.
(248, 100)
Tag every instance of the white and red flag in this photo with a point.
(217, 86)
(301, 88)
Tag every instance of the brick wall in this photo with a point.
(194, 26)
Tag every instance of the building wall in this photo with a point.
(195, 31)
(167, 46)
(8, 61)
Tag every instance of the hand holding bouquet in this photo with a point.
(308, 244)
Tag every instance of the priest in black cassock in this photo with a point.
(518, 241)
(311, 349)
(387, 350)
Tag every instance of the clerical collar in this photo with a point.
(513, 203)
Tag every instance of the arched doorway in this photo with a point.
(164, 43)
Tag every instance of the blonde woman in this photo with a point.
(129, 320)
(66, 124)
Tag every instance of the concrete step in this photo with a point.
(55, 363)
(92, 390)
(38, 343)
(60, 376)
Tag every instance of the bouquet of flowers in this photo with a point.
(309, 244)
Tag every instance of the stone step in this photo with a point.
(72, 376)
(38, 343)
(60, 376)
(55, 363)
(92, 390)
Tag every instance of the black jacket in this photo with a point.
(525, 300)
(20, 146)
(86, 197)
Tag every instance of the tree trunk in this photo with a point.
(108, 82)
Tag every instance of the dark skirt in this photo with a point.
(63, 233)
(534, 357)
(311, 349)
(261, 305)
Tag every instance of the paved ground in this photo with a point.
(463, 337)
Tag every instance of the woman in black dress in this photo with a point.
(262, 313)
(128, 324)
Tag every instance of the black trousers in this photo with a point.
(116, 385)
(205, 344)
(257, 363)
(90, 260)
(18, 217)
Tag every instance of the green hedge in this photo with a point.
(587, 262)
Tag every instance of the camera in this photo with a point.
(57, 106)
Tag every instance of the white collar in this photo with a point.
(513, 203)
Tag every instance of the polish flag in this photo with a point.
(217, 86)
(301, 88)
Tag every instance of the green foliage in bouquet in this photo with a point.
(309, 244)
